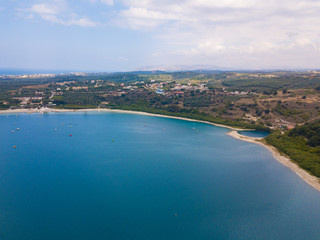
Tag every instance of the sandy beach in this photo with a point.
(285, 160)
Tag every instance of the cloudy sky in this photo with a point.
(121, 35)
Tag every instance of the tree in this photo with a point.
(314, 141)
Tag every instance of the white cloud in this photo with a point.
(84, 22)
(141, 18)
(30, 16)
(52, 18)
(205, 31)
(220, 29)
(43, 8)
(57, 11)
(108, 2)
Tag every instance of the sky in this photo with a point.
(125, 35)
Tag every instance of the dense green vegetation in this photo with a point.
(173, 110)
(78, 99)
(310, 131)
(197, 101)
(71, 106)
(284, 110)
(263, 84)
(301, 144)
(3, 107)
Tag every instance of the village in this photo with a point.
(217, 100)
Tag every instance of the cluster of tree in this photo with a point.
(193, 113)
(311, 131)
(286, 81)
(270, 92)
(3, 106)
(77, 99)
(148, 98)
(283, 110)
(197, 101)
(297, 148)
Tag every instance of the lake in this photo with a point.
(90, 175)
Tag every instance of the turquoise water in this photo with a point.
(256, 134)
(158, 179)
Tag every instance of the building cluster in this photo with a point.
(190, 87)
(25, 101)
(41, 75)
(280, 123)
(28, 76)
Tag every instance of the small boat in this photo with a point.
(14, 146)
(18, 129)
(12, 131)
(70, 135)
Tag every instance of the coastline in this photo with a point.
(284, 160)
(47, 110)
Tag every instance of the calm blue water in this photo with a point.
(256, 134)
(164, 180)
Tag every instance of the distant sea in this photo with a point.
(31, 71)
(119, 176)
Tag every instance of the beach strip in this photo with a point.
(285, 160)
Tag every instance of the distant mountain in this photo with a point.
(176, 68)
(182, 68)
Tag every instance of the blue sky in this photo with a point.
(122, 35)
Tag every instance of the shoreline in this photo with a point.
(48, 110)
(283, 159)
